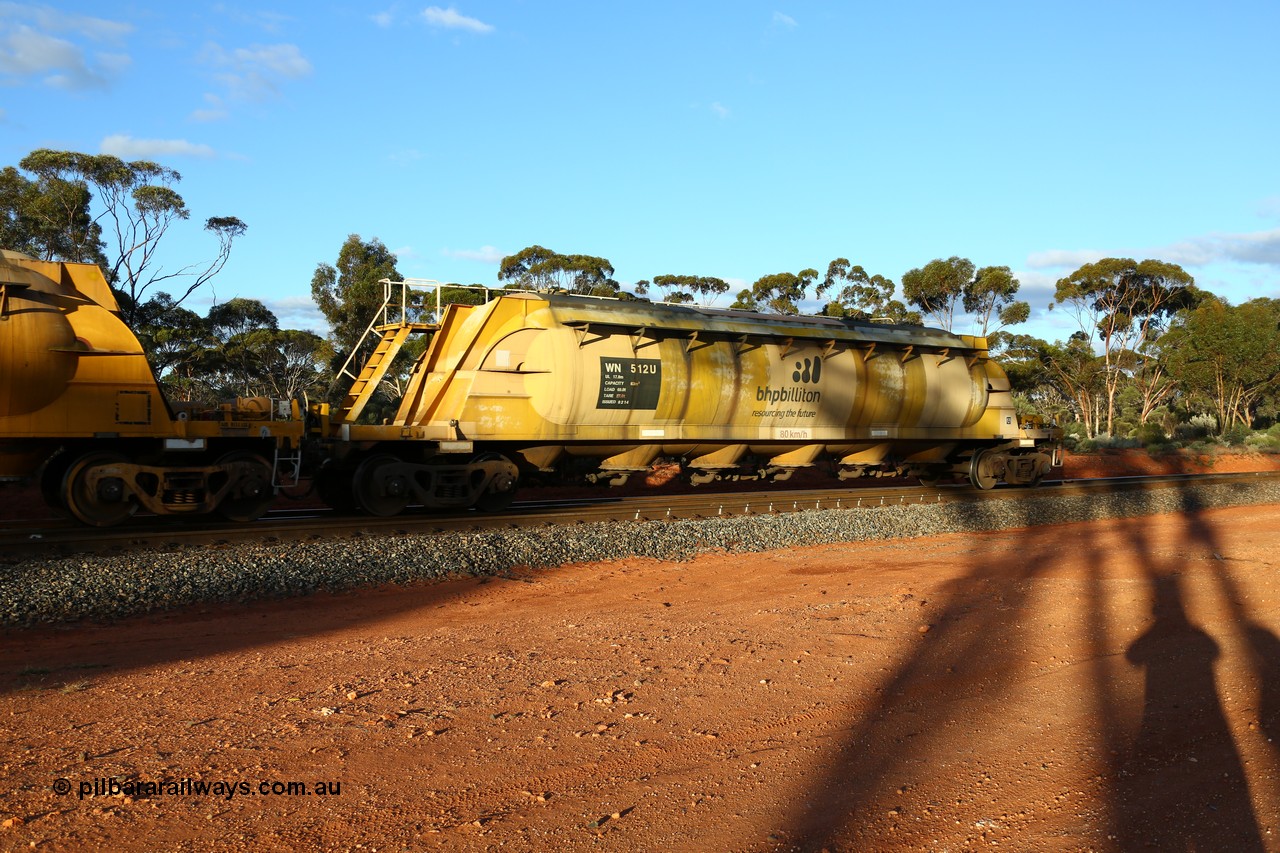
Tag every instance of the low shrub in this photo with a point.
(1264, 442)
(1236, 435)
(1151, 435)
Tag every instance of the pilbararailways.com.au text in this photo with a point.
(226, 789)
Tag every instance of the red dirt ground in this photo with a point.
(1104, 686)
(1122, 463)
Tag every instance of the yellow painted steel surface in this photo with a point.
(70, 368)
(565, 371)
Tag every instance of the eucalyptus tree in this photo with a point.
(1151, 378)
(1123, 304)
(1227, 357)
(1026, 360)
(139, 201)
(938, 288)
(49, 219)
(990, 298)
(539, 268)
(862, 294)
(1079, 375)
(685, 289)
(349, 292)
(178, 342)
(782, 292)
(294, 361)
(745, 300)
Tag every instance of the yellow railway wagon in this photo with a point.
(81, 412)
(541, 382)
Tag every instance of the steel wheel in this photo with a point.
(96, 494)
(496, 501)
(51, 474)
(253, 495)
(381, 487)
(502, 491)
(981, 473)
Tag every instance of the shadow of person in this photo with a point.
(1182, 785)
(1265, 648)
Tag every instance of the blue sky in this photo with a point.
(731, 139)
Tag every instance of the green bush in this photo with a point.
(1235, 435)
(1075, 429)
(1189, 432)
(1264, 442)
(1200, 426)
(1152, 435)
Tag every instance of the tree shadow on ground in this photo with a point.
(1171, 772)
(197, 632)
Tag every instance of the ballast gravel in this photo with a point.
(105, 587)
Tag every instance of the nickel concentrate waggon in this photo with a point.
(553, 386)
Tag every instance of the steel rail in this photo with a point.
(301, 525)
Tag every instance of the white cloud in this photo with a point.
(126, 147)
(485, 254)
(1258, 247)
(215, 111)
(383, 19)
(255, 73)
(55, 20)
(720, 110)
(784, 20)
(1054, 258)
(27, 53)
(271, 22)
(451, 19)
(284, 60)
(31, 45)
(113, 64)
(298, 312)
(1036, 288)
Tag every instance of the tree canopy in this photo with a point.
(51, 215)
(863, 295)
(989, 297)
(1227, 357)
(237, 349)
(539, 268)
(1124, 304)
(938, 288)
(685, 288)
(49, 218)
(349, 292)
(987, 294)
(782, 292)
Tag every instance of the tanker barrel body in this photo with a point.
(566, 382)
(82, 414)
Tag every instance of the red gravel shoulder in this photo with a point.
(1109, 685)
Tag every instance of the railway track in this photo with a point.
(27, 539)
